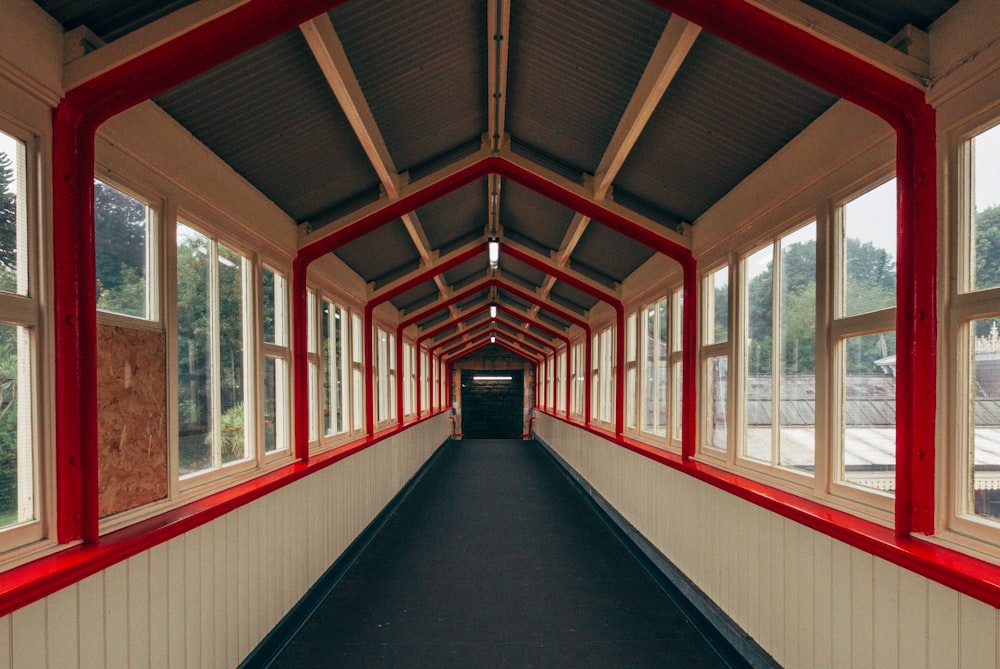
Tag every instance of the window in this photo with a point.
(976, 305)
(631, 371)
(676, 363)
(123, 253)
(409, 378)
(550, 382)
(779, 352)
(385, 376)
(655, 339)
(312, 356)
(865, 339)
(561, 382)
(277, 361)
(426, 389)
(603, 359)
(333, 334)
(578, 378)
(19, 313)
(215, 407)
(715, 336)
(357, 373)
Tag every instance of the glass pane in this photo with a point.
(649, 368)
(328, 370)
(662, 340)
(870, 251)
(121, 229)
(340, 345)
(717, 306)
(984, 414)
(313, 403)
(357, 375)
(275, 405)
(13, 216)
(869, 415)
(194, 370)
(677, 403)
(17, 482)
(311, 321)
(986, 209)
(797, 336)
(677, 335)
(760, 347)
(718, 382)
(275, 320)
(231, 347)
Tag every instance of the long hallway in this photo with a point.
(495, 558)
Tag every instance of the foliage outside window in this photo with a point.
(631, 370)
(357, 373)
(979, 461)
(676, 363)
(715, 337)
(333, 340)
(122, 252)
(779, 402)
(277, 361)
(213, 345)
(866, 340)
(19, 499)
(655, 346)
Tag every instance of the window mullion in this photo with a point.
(215, 354)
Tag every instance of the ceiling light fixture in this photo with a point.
(493, 311)
(494, 247)
(493, 339)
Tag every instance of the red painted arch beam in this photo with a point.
(499, 334)
(903, 105)
(503, 309)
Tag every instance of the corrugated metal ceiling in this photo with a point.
(422, 67)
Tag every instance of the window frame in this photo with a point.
(28, 311)
(965, 305)
(275, 351)
(711, 350)
(184, 485)
(155, 246)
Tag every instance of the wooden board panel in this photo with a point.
(131, 416)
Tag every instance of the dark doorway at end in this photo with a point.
(492, 404)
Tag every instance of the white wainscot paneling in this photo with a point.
(807, 599)
(207, 598)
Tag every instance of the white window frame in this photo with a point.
(251, 327)
(279, 350)
(713, 350)
(26, 311)
(154, 273)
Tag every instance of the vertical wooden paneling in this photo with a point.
(806, 594)
(116, 615)
(822, 602)
(862, 637)
(5, 643)
(138, 608)
(176, 594)
(90, 616)
(810, 601)
(912, 617)
(842, 628)
(944, 625)
(159, 598)
(28, 629)
(978, 634)
(206, 598)
(886, 611)
(60, 614)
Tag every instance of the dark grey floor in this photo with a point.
(496, 559)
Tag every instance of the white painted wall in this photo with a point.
(207, 598)
(807, 599)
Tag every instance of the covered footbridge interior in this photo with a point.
(739, 256)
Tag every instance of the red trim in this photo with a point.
(498, 334)
(35, 580)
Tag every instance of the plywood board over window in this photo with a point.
(132, 424)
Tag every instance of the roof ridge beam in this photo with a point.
(498, 51)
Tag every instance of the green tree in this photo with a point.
(120, 251)
(8, 225)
